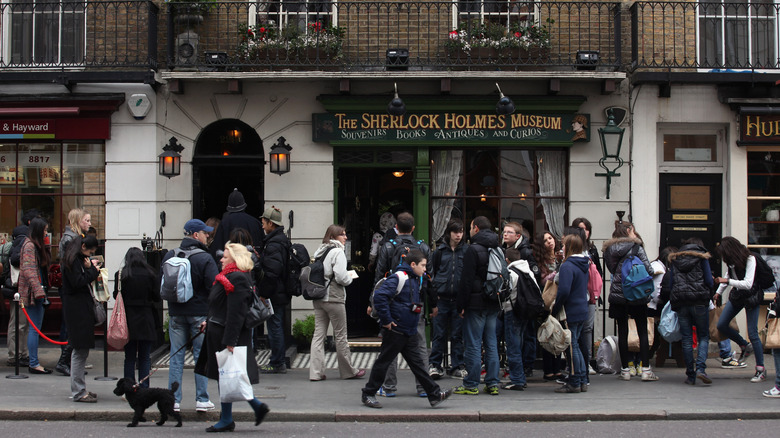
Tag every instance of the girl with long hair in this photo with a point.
(33, 279)
(546, 254)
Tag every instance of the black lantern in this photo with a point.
(611, 137)
(280, 157)
(396, 106)
(170, 159)
(504, 105)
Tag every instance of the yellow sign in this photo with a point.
(690, 229)
(689, 217)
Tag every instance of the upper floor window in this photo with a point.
(291, 16)
(43, 33)
(739, 34)
(508, 13)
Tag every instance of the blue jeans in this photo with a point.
(36, 316)
(139, 351)
(725, 348)
(514, 329)
(480, 324)
(586, 338)
(695, 316)
(447, 319)
(275, 326)
(729, 312)
(180, 329)
(579, 368)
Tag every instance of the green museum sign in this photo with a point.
(450, 127)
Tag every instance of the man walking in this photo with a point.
(185, 319)
(273, 259)
(480, 314)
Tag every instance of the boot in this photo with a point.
(63, 365)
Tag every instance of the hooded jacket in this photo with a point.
(573, 288)
(526, 253)
(398, 308)
(690, 279)
(273, 259)
(335, 264)
(475, 261)
(615, 250)
(522, 266)
(203, 270)
(447, 268)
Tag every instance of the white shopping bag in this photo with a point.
(234, 383)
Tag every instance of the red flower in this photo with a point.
(518, 34)
(262, 30)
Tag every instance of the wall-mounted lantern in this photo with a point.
(611, 138)
(280, 157)
(170, 159)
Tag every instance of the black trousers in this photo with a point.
(394, 343)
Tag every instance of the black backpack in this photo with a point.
(314, 285)
(400, 250)
(764, 277)
(297, 258)
(528, 304)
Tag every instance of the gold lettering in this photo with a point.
(434, 123)
(449, 121)
(501, 122)
(480, 121)
(516, 120)
(461, 121)
(340, 118)
(556, 123)
(764, 131)
(749, 126)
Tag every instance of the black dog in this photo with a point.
(141, 398)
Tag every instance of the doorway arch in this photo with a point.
(228, 154)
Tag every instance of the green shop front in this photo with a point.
(446, 157)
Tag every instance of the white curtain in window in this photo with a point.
(446, 172)
(552, 182)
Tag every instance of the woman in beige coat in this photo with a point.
(331, 309)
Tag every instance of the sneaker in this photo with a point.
(760, 375)
(385, 393)
(747, 350)
(443, 395)
(270, 369)
(460, 373)
(492, 390)
(513, 386)
(466, 391)
(704, 378)
(690, 381)
(772, 393)
(422, 394)
(648, 375)
(371, 401)
(632, 369)
(584, 388)
(625, 374)
(204, 406)
(435, 372)
(591, 371)
(567, 389)
(176, 407)
(731, 363)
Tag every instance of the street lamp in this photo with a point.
(504, 105)
(611, 138)
(170, 159)
(396, 106)
(280, 157)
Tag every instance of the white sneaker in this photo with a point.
(632, 370)
(460, 373)
(625, 374)
(203, 406)
(760, 376)
(648, 375)
(591, 371)
(772, 393)
(176, 407)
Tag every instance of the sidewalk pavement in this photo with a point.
(292, 397)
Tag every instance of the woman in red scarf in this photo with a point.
(230, 297)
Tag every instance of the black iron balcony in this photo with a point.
(707, 36)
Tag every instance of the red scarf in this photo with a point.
(221, 277)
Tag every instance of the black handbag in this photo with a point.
(259, 312)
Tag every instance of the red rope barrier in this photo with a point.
(39, 332)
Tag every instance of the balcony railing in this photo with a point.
(391, 35)
(704, 35)
(79, 35)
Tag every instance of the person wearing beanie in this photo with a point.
(235, 217)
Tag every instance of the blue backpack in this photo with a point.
(637, 282)
(669, 325)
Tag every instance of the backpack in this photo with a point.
(608, 357)
(763, 277)
(637, 282)
(553, 337)
(400, 251)
(314, 286)
(176, 284)
(528, 304)
(297, 259)
(497, 275)
(5, 260)
(595, 283)
(669, 324)
(402, 277)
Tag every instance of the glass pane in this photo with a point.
(9, 218)
(40, 166)
(517, 173)
(517, 209)
(481, 170)
(84, 169)
(679, 147)
(736, 42)
(488, 208)
(446, 173)
(9, 173)
(763, 174)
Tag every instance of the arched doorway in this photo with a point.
(228, 154)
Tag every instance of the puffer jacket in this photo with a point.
(203, 269)
(615, 250)
(446, 269)
(475, 262)
(67, 236)
(691, 279)
(335, 264)
(527, 253)
(273, 259)
(398, 308)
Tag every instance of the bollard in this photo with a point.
(105, 376)
(16, 375)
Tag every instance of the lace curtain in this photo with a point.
(446, 172)
(552, 171)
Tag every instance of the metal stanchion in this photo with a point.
(16, 375)
(105, 376)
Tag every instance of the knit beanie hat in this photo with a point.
(236, 202)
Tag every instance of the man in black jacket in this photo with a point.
(185, 319)
(480, 314)
(273, 259)
(235, 217)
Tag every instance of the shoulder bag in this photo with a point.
(118, 334)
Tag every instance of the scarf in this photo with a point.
(222, 277)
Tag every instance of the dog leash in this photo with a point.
(172, 354)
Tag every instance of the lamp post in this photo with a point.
(170, 159)
(611, 138)
(280, 157)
